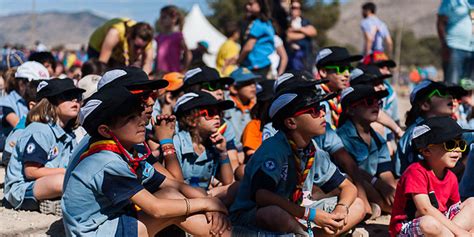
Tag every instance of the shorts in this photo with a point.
(127, 226)
(29, 201)
(412, 228)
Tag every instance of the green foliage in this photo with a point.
(418, 52)
(225, 11)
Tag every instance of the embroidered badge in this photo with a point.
(270, 165)
(284, 172)
(30, 148)
(53, 153)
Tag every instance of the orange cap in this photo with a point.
(175, 80)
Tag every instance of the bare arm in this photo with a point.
(35, 171)
(226, 175)
(246, 49)
(12, 119)
(283, 59)
(187, 56)
(389, 44)
(148, 60)
(110, 41)
(441, 27)
(388, 122)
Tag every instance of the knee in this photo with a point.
(273, 216)
(358, 209)
(142, 230)
(58, 183)
(430, 226)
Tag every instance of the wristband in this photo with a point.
(225, 161)
(374, 180)
(312, 214)
(166, 141)
(306, 213)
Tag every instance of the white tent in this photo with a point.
(196, 28)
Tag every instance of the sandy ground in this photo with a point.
(23, 223)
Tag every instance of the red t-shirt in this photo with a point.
(418, 179)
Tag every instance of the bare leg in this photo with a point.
(225, 193)
(464, 217)
(273, 218)
(374, 196)
(432, 228)
(48, 187)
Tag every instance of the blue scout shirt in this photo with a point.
(390, 103)
(45, 144)
(12, 102)
(275, 158)
(103, 183)
(237, 120)
(262, 31)
(328, 141)
(459, 27)
(13, 138)
(198, 170)
(405, 155)
(374, 159)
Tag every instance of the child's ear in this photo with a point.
(426, 152)
(104, 131)
(233, 90)
(323, 73)
(168, 98)
(31, 104)
(290, 123)
(425, 106)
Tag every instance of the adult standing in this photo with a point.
(299, 36)
(123, 42)
(377, 38)
(455, 30)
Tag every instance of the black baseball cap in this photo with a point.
(425, 87)
(457, 91)
(132, 78)
(366, 74)
(358, 92)
(203, 74)
(296, 79)
(287, 103)
(104, 104)
(55, 87)
(265, 90)
(436, 130)
(335, 56)
(199, 99)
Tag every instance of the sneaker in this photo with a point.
(51, 207)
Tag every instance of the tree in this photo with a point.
(418, 52)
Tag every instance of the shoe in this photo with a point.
(51, 207)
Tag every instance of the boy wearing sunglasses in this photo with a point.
(270, 197)
(361, 105)
(427, 201)
(334, 65)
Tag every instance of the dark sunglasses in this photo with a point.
(451, 145)
(69, 96)
(213, 86)
(209, 113)
(369, 102)
(314, 111)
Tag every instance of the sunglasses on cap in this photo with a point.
(213, 86)
(314, 111)
(209, 113)
(451, 145)
(340, 69)
(438, 93)
(369, 102)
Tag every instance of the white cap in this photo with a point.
(89, 83)
(32, 71)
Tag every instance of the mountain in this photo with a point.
(52, 28)
(418, 16)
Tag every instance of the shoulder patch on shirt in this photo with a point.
(270, 165)
(53, 153)
(30, 148)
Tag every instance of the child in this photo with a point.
(37, 165)
(200, 148)
(126, 196)
(244, 94)
(427, 199)
(226, 59)
(171, 48)
(13, 105)
(258, 38)
(271, 191)
(361, 105)
(428, 99)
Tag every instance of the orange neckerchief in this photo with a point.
(240, 106)
(334, 105)
(297, 196)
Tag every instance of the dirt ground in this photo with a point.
(24, 223)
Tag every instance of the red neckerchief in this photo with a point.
(334, 105)
(297, 196)
(115, 147)
(240, 106)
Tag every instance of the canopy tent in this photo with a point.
(196, 28)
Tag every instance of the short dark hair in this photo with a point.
(93, 66)
(230, 28)
(369, 6)
(43, 57)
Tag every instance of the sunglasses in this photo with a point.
(451, 145)
(145, 95)
(369, 102)
(314, 111)
(209, 113)
(213, 86)
(69, 96)
(438, 93)
(340, 69)
(295, 7)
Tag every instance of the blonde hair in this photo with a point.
(189, 122)
(46, 112)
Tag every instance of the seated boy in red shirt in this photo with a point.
(427, 199)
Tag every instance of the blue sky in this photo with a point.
(140, 10)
